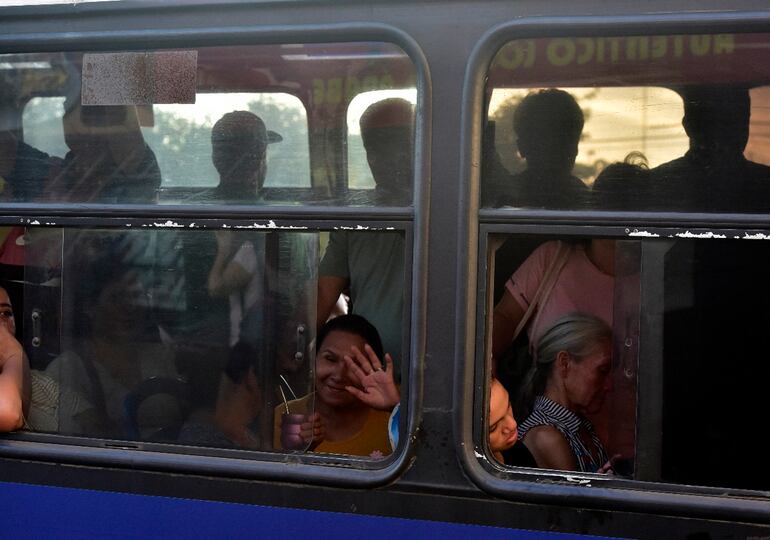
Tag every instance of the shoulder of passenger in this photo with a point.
(545, 436)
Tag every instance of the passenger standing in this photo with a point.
(108, 160)
(371, 264)
(239, 144)
(548, 125)
(714, 175)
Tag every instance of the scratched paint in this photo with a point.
(643, 234)
(704, 235)
(171, 224)
(755, 236)
(168, 224)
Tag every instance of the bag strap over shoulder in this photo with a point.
(546, 285)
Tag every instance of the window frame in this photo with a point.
(348, 471)
(471, 388)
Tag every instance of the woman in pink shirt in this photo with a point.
(585, 283)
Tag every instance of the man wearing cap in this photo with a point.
(239, 142)
(371, 264)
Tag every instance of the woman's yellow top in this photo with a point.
(371, 440)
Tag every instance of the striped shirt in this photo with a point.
(550, 413)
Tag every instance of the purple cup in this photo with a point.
(291, 431)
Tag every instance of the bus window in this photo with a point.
(180, 138)
(572, 349)
(154, 332)
(690, 108)
(648, 118)
(207, 338)
(655, 393)
(257, 125)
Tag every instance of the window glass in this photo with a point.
(42, 124)
(691, 108)
(208, 338)
(649, 119)
(179, 129)
(242, 125)
(590, 381)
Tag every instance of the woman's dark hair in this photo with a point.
(623, 185)
(242, 356)
(352, 324)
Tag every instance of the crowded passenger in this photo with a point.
(24, 170)
(558, 278)
(569, 381)
(335, 418)
(115, 345)
(623, 186)
(108, 160)
(238, 275)
(387, 131)
(370, 266)
(548, 125)
(14, 370)
(503, 434)
(238, 404)
(239, 143)
(714, 175)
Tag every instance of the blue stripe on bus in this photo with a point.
(30, 511)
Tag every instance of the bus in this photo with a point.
(382, 158)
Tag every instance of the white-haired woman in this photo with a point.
(570, 380)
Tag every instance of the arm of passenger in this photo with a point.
(126, 142)
(550, 449)
(14, 381)
(506, 317)
(329, 290)
(226, 275)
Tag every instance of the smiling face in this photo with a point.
(502, 424)
(331, 373)
(588, 379)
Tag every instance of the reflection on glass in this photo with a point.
(690, 107)
(207, 338)
(98, 127)
(169, 336)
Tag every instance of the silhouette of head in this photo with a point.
(548, 125)
(387, 132)
(238, 143)
(623, 185)
(716, 119)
